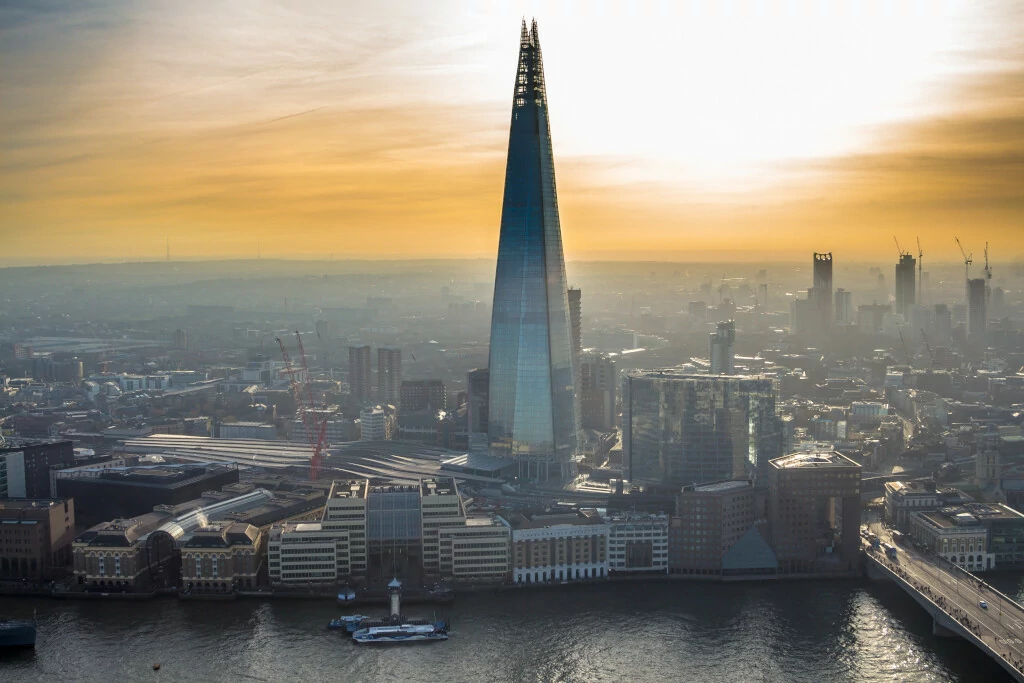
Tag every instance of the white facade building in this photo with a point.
(638, 543)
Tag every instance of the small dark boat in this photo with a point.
(17, 633)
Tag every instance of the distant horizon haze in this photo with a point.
(686, 131)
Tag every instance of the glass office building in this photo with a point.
(532, 412)
(680, 429)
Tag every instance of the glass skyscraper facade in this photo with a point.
(532, 413)
(680, 429)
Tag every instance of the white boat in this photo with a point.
(406, 633)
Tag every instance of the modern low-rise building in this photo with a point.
(637, 543)
(478, 551)
(103, 494)
(247, 430)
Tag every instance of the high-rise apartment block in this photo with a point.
(680, 429)
(359, 369)
(389, 375)
(532, 414)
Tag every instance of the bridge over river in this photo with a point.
(960, 603)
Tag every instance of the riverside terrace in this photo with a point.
(396, 461)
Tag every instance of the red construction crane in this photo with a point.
(315, 427)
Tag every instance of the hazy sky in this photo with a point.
(682, 131)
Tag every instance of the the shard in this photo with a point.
(532, 412)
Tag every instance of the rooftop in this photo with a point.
(721, 486)
(832, 459)
(549, 518)
(438, 486)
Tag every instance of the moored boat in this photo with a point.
(349, 622)
(404, 633)
(17, 633)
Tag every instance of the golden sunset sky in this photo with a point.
(682, 130)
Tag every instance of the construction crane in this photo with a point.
(920, 267)
(931, 354)
(906, 353)
(967, 260)
(315, 429)
(901, 252)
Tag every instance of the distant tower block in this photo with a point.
(722, 342)
(576, 319)
(823, 290)
(906, 274)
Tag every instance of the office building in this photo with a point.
(158, 548)
(557, 545)
(26, 465)
(479, 551)
(35, 538)
(598, 382)
(722, 355)
(814, 512)
(680, 429)
(103, 494)
(219, 557)
(637, 543)
(576, 319)
(906, 274)
(716, 531)
(377, 423)
(389, 375)
(423, 394)
(533, 417)
(844, 307)
(441, 508)
(477, 385)
(359, 373)
(247, 430)
(821, 295)
(977, 317)
(179, 340)
(955, 534)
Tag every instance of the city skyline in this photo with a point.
(236, 133)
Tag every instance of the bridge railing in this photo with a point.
(1000, 639)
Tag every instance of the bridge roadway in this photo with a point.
(952, 596)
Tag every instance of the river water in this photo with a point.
(681, 631)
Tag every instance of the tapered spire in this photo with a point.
(532, 412)
(530, 74)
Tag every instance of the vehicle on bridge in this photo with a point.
(982, 604)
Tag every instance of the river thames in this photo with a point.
(679, 631)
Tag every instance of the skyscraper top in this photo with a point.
(530, 74)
